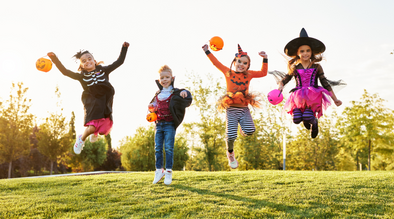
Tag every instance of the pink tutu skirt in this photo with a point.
(317, 99)
(103, 126)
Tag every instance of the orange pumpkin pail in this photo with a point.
(151, 117)
(44, 64)
(216, 43)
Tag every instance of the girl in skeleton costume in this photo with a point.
(307, 100)
(97, 95)
(238, 97)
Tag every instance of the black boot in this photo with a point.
(315, 128)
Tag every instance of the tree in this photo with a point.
(305, 153)
(138, 152)
(113, 160)
(367, 124)
(54, 137)
(208, 131)
(15, 126)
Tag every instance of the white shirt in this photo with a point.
(165, 93)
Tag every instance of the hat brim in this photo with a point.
(316, 45)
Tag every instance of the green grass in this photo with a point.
(235, 194)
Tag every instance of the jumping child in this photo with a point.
(97, 95)
(307, 100)
(238, 97)
(169, 103)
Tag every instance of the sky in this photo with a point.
(358, 35)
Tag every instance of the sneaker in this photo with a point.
(231, 160)
(93, 138)
(168, 178)
(315, 128)
(158, 175)
(78, 146)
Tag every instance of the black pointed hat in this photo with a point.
(316, 45)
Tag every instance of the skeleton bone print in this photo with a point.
(92, 78)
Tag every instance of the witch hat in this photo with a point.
(240, 52)
(316, 45)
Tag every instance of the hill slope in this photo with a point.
(236, 194)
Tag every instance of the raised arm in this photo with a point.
(120, 59)
(264, 68)
(214, 61)
(61, 67)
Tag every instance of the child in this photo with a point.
(307, 99)
(238, 97)
(97, 95)
(169, 103)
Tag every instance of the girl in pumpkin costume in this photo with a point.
(98, 93)
(238, 97)
(307, 100)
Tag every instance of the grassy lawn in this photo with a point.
(235, 194)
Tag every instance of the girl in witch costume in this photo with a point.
(238, 97)
(307, 100)
(97, 95)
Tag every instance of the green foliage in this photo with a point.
(366, 128)
(264, 149)
(54, 136)
(138, 152)
(305, 153)
(180, 152)
(92, 156)
(208, 132)
(236, 194)
(15, 126)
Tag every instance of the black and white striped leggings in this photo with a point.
(241, 115)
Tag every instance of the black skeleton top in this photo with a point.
(98, 93)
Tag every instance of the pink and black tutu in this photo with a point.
(307, 94)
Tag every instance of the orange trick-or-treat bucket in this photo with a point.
(44, 64)
(216, 43)
(151, 117)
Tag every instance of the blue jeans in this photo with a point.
(165, 134)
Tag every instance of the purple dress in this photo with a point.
(307, 93)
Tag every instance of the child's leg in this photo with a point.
(297, 116)
(88, 131)
(159, 140)
(169, 141)
(246, 123)
(232, 117)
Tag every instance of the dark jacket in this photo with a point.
(178, 104)
(98, 93)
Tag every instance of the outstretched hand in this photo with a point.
(205, 47)
(263, 54)
(51, 54)
(338, 102)
(183, 94)
(126, 44)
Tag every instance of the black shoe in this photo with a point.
(307, 125)
(315, 128)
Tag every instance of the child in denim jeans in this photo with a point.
(169, 103)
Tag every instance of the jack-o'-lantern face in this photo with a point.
(43, 64)
(151, 117)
